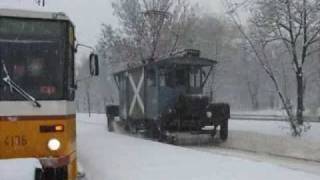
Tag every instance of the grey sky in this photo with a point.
(88, 15)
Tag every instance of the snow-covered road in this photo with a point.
(109, 156)
(291, 163)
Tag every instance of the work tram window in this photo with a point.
(167, 78)
(37, 56)
(151, 78)
(195, 74)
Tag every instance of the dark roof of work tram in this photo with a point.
(185, 59)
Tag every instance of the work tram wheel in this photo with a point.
(224, 130)
(110, 124)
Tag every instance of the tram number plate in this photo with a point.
(14, 141)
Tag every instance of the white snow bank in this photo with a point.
(107, 156)
(269, 112)
(277, 128)
(18, 169)
(274, 137)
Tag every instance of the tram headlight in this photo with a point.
(54, 144)
(209, 114)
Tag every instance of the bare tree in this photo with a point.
(251, 76)
(148, 29)
(253, 90)
(215, 37)
(296, 24)
(258, 43)
(140, 35)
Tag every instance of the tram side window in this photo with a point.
(151, 78)
(166, 78)
(195, 79)
(170, 79)
(162, 79)
(181, 77)
(173, 78)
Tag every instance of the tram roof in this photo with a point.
(174, 60)
(19, 13)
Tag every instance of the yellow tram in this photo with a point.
(37, 88)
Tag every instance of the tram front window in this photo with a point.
(34, 53)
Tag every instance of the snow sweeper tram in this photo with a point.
(166, 97)
(37, 87)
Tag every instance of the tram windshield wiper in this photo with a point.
(17, 88)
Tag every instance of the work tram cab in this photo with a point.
(37, 90)
(165, 97)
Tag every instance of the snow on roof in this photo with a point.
(33, 14)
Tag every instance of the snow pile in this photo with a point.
(265, 112)
(107, 155)
(273, 137)
(276, 128)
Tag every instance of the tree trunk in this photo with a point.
(88, 102)
(272, 100)
(300, 89)
(255, 102)
(253, 93)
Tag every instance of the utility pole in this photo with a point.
(88, 98)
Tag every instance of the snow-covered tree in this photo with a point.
(292, 24)
(147, 29)
(296, 24)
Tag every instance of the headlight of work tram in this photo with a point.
(54, 144)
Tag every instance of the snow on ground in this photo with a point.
(274, 112)
(277, 128)
(296, 164)
(274, 137)
(109, 156)
(261, 112)
(18, 169)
